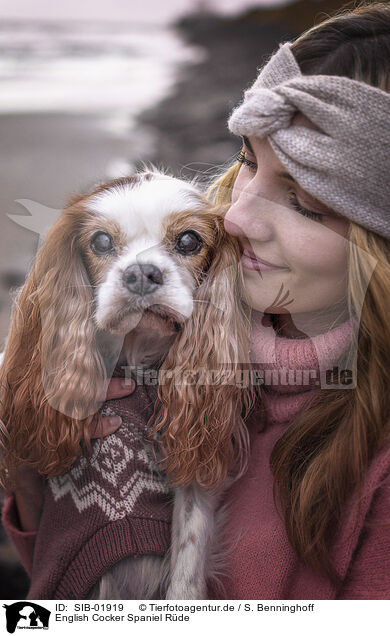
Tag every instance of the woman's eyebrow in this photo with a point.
(285, 175)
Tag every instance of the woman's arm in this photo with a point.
(28, 496)
(369, 574)
(22, 539)
(22, 508)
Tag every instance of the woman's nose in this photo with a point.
(247, 218)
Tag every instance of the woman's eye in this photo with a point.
(304, 211)
(101, 243)
(188, 242)
(242, 158)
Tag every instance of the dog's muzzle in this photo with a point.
(142, 279)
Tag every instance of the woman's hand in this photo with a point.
(30, 484)
(117, 388)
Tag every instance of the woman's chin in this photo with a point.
(268, 297)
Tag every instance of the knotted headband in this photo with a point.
(346, 164)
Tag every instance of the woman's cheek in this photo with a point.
(321, 250)
(318, 268)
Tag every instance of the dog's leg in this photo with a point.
(192, 528)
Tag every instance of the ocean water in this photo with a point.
(78, 67)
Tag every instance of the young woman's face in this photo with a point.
(307, 248)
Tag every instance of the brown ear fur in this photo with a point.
(201, 424)
(52, 371)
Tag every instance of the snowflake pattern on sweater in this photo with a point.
(120, 471)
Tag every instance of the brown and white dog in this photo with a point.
(140, 272)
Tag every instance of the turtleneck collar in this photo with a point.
(293, 369)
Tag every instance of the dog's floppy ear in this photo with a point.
(201, 393)
(52, 372)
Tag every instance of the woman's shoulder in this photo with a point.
(371, 505)
(368, 574)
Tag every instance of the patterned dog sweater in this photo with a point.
(114, 504)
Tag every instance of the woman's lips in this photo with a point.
(250, 261)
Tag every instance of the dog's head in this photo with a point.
(147, 243)
(145, 261)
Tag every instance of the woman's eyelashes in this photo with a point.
(242, 158)
(304, 211)
(252, 165)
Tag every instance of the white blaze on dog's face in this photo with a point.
(145, 245)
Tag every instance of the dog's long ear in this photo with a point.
(52, 371)
(202, 395)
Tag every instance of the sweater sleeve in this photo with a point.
(23, 541)
(368, 576)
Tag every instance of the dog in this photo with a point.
(138, 272)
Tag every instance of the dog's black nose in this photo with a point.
(142, 278)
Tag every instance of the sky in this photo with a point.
(158, 11)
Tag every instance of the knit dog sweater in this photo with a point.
(114, 504)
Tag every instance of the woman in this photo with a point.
(308, 519)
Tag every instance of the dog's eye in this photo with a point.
(188, 242)
(101, 243)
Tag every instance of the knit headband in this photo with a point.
(345, 165)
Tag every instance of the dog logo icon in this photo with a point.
(26, 615)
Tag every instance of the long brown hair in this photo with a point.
(324, 454)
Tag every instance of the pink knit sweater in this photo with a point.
(263, 564)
